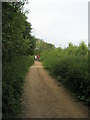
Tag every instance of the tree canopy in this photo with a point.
(16, 31)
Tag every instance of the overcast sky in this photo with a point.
(59, 21)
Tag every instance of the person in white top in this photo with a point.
(35, 57)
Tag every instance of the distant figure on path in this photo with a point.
(35, 57)
(38, 57)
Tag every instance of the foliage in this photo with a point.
(17, 45)
(16, 37)
(42, 46)
(13, 79)
(70, 66)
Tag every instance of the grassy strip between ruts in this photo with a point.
(12, 84)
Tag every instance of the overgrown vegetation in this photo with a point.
(13, 79)
(42, 46)
(70, 67)
(17, 47)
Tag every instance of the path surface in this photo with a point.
(43, 98)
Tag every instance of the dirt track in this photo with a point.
(43, 98)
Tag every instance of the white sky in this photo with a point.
(59, 21)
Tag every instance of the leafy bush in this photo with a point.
(17, 44)
(12, 84)
(70, 68)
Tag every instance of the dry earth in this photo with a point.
(43, 98)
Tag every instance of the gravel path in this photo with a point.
(43, 98)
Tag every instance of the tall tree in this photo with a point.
(16, 31)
